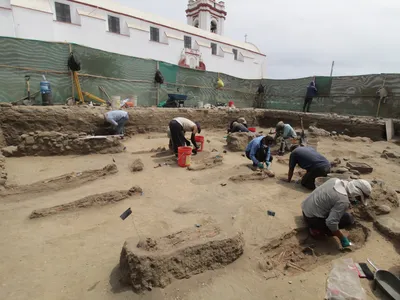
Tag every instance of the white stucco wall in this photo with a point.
(92, 31)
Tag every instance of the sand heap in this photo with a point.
(46, 143)
(155, 262)
(238, 141)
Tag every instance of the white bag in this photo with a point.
(343, 282)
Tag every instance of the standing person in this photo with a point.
(117, 119)
(311, 93)
(309, 159)
(178, 127)
(258, 150)
(286, 133)
(325, 209)
(238, 125)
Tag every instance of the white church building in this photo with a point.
(109, 26)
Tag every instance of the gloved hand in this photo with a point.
(268, 164)
(345, 242)
(187, 143)
(261, 165)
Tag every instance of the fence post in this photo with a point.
(72, 76)
(158, 86)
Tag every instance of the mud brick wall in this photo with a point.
(18, 120)
(3, 173)
(47, 143)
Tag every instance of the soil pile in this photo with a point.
(89, 201)
(137, 165)
(155, 262)
(48, 143)
(238, 141)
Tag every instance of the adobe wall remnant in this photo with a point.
(155, 262)
(46, 143)
(3, 173)
(17, 120)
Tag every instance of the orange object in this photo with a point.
(252, 129)
(128, 104)
(199, 139)
(184, 156)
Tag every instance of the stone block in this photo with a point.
(155, 262)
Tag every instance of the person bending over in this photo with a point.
(178, 127)
(258, 150)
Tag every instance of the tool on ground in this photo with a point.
(303, 138)
(365, 269)
(126, 214)
(271, 213)
(28, 86)
(105, 93)
(387, 282)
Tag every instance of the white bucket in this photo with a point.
(116, 102)
(200, 104)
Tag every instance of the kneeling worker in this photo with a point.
(325, 209)
(258, 150)
(178, 127)
(117, 118)
(286, 133)
(309, 159)
(238, 125)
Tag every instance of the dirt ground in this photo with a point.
(75, 255)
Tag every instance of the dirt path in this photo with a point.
(73, 255)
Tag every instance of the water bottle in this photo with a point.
(45, 90)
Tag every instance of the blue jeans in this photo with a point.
(120, 129)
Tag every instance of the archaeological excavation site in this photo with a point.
(86, 214)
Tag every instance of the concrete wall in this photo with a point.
(15, 121)
(92, 31)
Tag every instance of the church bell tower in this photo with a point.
(208, 15)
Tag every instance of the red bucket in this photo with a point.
(199, 140)
(230, 103)
(184, 156)
(252, 129)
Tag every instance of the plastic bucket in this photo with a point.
(252, 129)
(184, 156)
(200, 104)
(230, 103)
(115, 102)
(199, 140)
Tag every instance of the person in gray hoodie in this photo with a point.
(325, 209)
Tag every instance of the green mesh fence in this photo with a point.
(127, 76)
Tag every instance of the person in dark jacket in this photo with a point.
(309, 159)
(238, 125)
(311, 93)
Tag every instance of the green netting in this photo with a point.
(127, 76)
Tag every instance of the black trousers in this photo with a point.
(320, 223)
(260, 155)
(308, 180)
(177, 135)
(307, 103)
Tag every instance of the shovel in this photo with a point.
(387, 282)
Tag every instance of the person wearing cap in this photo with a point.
(286, 133)
(178, 127)
(258, 150)
(117, 119)
(309, 159)
(238, 125)
(325, 209)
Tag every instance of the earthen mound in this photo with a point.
(238, 141)
(155, 262)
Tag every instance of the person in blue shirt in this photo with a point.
(258, 150)
(286, 133)
(311, 93)
(117, 119)
(309, 159)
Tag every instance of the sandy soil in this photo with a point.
(74, 255)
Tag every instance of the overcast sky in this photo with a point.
(302, 37)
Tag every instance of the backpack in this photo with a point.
(159, 78)
(73, 63)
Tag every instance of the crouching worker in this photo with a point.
(286, 133)
(258, 150)
(117, 119)
(325, 209)
(178, 127)
(309, 159)
(239, 125)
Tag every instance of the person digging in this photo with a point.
(177, 128)
(238, 125)
(325, 209)
(258, 150)
(309, 159)
(117, 119)
(285, 133)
